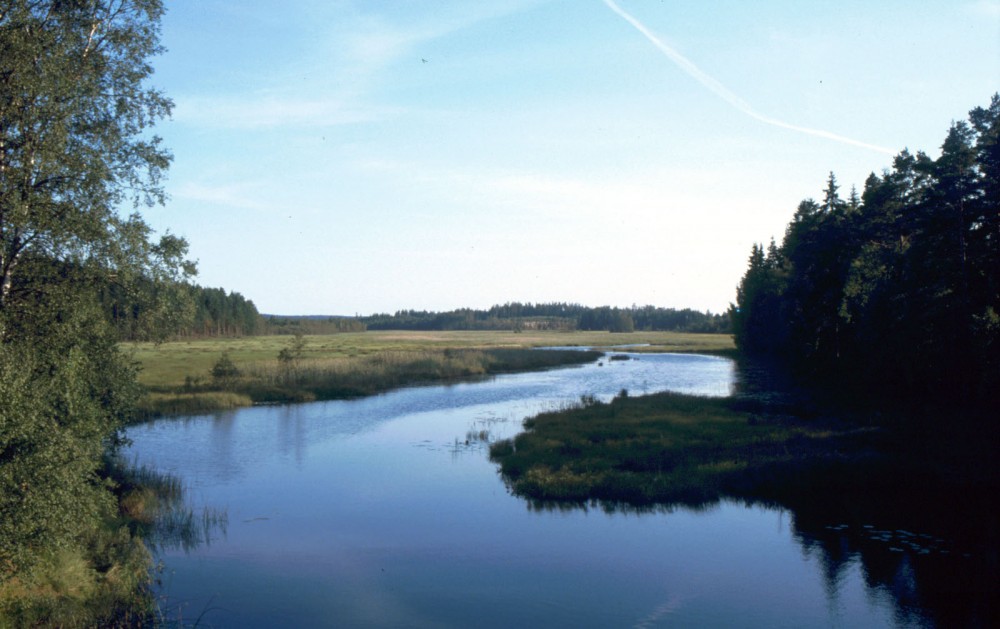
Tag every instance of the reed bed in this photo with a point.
(166, 366)
(342, 377)
(666, 448)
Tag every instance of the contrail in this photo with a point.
(722, 92)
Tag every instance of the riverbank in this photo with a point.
(669, 448)
(197, 376)
(106, 579)
(659, 449)
(911, 493)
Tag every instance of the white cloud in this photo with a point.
(235, 195)
(720, 90)
(254, 112)
(371, 43)
(984, 8)
(343, 70)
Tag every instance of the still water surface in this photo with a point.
(386, 511)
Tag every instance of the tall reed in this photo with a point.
(305, 379)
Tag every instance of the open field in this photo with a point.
(166, 366)
(179, 380)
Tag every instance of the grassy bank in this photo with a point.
(106, 579)
(102, 580)
(667, 448)
(178, 375)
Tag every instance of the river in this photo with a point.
(386, 511)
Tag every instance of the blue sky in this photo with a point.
(342, 157)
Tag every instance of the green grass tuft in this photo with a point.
(180, 403)
(656, 449)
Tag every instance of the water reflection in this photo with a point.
(921, 522)
(928, 579)
(386, 511)
(925, 543)
(941, 579)
(179, 527)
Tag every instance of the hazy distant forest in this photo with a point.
(212, 312)
(895, 291)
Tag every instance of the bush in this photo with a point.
(225, 370)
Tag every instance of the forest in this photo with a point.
(554, 316)
(893, 292)
(199, 312)
(196, 311)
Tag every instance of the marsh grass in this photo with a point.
(192, 403)
(104, 579)
(102, 583)
(663, 448)
(382, 371)
(339, 377)
(166, 366)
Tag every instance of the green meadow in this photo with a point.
(184, 376)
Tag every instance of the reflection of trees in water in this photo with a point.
(921, 520)
(944, 576)
(612, 507)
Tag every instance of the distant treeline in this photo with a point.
(195, 311)
(553, 316)
(218, 313)
(276, 324)
(895, 290)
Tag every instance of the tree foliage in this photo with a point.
(74, 144)
(75, 148)
(553, 316)
(898, 289)
(64, 403)
(178, 309)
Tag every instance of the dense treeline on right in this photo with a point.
(895, 292)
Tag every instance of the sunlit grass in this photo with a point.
(158, 403)
(166, 366)
(102, 579)
(663, 448)
(326, 368)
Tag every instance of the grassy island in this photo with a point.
(665, 448)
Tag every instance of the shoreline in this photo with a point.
(193, 377)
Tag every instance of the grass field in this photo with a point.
(166, 367)
(178, 375)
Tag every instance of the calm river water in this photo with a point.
(386, 511)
